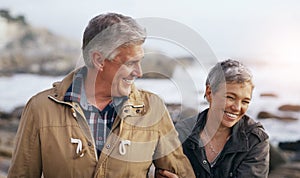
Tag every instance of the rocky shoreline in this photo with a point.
(8, 128)
(285, 157)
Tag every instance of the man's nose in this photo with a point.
(137, 71)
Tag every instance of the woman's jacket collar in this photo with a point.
(239, 139)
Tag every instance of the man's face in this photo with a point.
(120, 73)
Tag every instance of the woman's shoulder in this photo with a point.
(255, 128)
(185, 127)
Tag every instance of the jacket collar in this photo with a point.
(60, 88)
(132, 106)
(134, 103)
(238, 141)
(201, 121)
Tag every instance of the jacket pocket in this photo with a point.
(136, 144)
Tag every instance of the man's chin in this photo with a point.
(122, 93)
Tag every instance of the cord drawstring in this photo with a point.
(122, 148)
(79, 146)
(125, 113)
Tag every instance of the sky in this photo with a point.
(265, 30)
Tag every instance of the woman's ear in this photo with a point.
(208, 93)
(98, 60)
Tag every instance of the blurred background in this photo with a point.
(40, 42)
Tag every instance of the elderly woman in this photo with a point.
(222, 141)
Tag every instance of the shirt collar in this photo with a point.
(76, 91)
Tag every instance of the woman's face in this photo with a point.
(230, 102)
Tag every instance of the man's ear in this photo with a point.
(98, 60)
(208, 93)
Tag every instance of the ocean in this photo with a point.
(188, 90)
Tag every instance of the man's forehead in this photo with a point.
(131, 53)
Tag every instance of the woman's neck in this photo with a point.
(214, 125)
(214, 136)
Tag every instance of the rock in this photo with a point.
(157, 65)
(276, 157)
(289, 107)
(8, 125)
(267, 115)
(5, 115)
(282, 162)
(296, 157)
(288, 170)
(292, 146)
(268, 95)
(4, 166)
(5, 152)
(264, 115)
(178, 112)
(17, 112)
(7, 143)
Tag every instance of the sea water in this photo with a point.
(188, 90)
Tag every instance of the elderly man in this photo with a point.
(95, 123)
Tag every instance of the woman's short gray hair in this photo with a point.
(106, 32)
(229, 71)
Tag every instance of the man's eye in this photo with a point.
(129, 64)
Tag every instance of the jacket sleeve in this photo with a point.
(256, 163)
(26, 160)
(169, 154)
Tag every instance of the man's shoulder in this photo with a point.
(146, 92)
(147, 95)
(41, 97)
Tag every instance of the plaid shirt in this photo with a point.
(100, 122)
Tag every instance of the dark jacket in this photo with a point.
(246, 153)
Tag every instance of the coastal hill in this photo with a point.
(28, 49)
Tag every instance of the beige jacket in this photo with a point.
(54, 139)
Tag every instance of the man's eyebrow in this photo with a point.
(137, 58)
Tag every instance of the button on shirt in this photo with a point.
(100, 122)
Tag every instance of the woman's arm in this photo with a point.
(256, 164)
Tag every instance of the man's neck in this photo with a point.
(96, 94)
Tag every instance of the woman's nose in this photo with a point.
(236, 105)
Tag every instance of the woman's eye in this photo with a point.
(246, 102)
